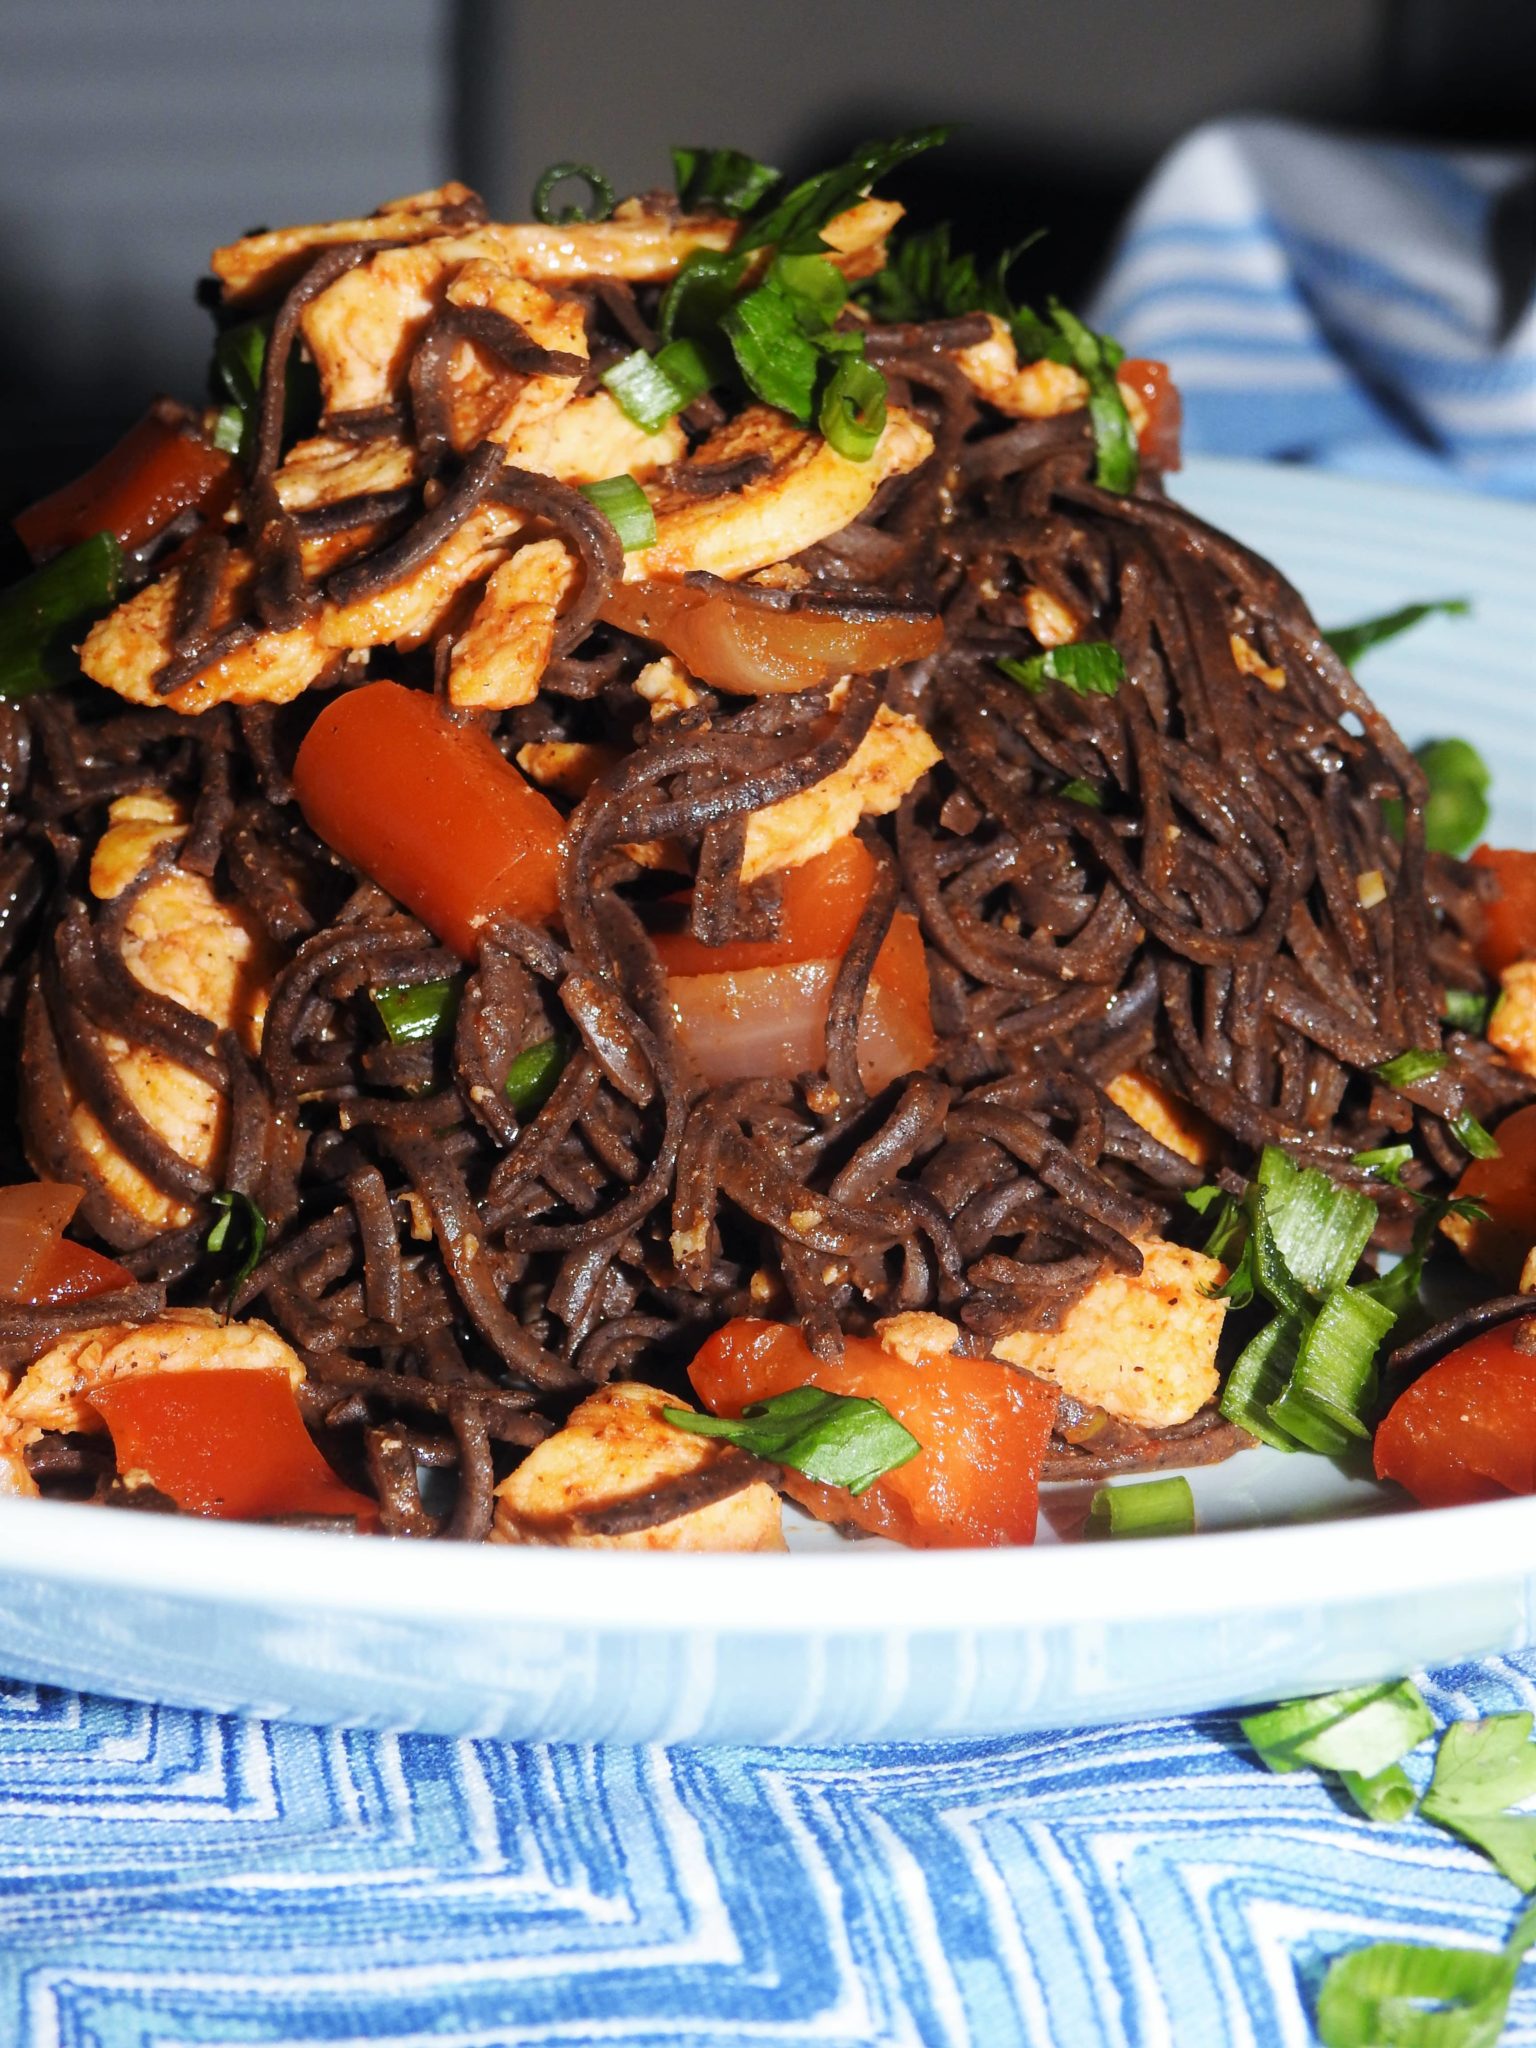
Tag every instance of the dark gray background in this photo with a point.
(135, 134)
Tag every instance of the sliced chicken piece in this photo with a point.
(857, 238)
(893, 755)
(260, 263)
(413, 610)
(666, 686)
(916, 1335)
(1164, 1116)
(363, 329)
(182, 941)
(810, 492)
(1143, 1349)
(54, 1393)
(592, 438)
(1033, 391)
(324, 471)
(488, 401)
(1512, 1027)
(1048, 618)
(126, 650)
(614, 1447)
(568, 767)
(499, 661)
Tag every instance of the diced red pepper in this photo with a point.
(983, 1427)
(1509, 929)
(159, 469)
(1506, 1187)
(1159, 438)
(431, 810)
(73, 1272)
(1466, 1431)
(227, 1442)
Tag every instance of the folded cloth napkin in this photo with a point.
(1360, 305)
(174, 1877)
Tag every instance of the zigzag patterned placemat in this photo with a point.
(175, 1878)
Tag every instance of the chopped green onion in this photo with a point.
(1258, 1379)
(1472, 1137)
(852, 415)
(776, 359)
(1097, 358)
(1416, 1996)
(1484, 1768)
(1364, 1729)
(836, 1439)
(1465, 1010)
(228, 429)
(1387, 1796)
(425, 1010)
(532, 1075)
(37, 611)
(253, 1229)
(1151, 1507)
(601, 194)
(1086, 667)
(697, 297)
(795, 222)
(1079, 792)
(726, 180)
(1457, 811)
(1229, 1227)
(1386, 1163)
(1320, 1229)
(650, 389)
(814, 287)
(1334, 1377)
(1407, 1068)
(1350, 642)
(626, 508)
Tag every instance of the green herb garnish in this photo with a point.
(1472, 1137)
(852, 411)
(650, 389)
(1465, 1010)
(532, 1075)
(1085, 667)
(1097, 358)
(722, 180)
(1150, 1507)
(1456, 809)
(1406, 1069)
(793, 224)
(600, 193)
(1363, 1729)
(37, 612)
(424, 1010)
(836, 1439)
(252, 1229)
(1395, 1994)
(1350, 642)
(1077, 791)
(626, 508)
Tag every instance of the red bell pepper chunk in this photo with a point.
(1466, 1431)
(157, 471)
(983, 1427)
(431, 810)
(227, 1442)
(1509, 917)
(1159, 438)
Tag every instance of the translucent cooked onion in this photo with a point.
(760, 642)
(772, 1021)
(32, 1219)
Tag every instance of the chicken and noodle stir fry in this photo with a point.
(647, 871)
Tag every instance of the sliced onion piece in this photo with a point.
(32, 1220)
(761, 642)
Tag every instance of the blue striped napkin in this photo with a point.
(173, 1878)
(1358, 305)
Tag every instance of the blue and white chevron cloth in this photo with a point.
(1359, 305)
(177, 1880)
(173, 1880)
